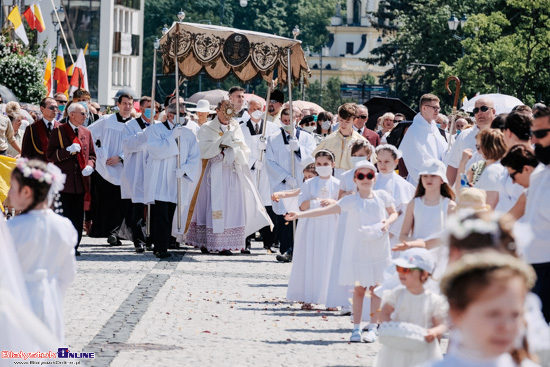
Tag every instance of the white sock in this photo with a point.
(357, 326)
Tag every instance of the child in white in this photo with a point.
(366, 246)
(314, 240)
(412, 303)
(44, 241)
(388, 180)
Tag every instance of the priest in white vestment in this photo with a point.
(423, 141)
(161, 177)
(228, 206)
(253, 129)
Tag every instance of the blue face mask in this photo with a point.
(458, 132)
(61, 108)
(438, 126)
(147, 113)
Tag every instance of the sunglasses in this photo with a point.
(401, 270)
(52, 108)
(361, 176)
(539, 134)
(397, 121)
(61, 102)
(482, 109)
(313, 123)
(361, 117)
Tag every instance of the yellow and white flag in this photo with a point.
(15, 18)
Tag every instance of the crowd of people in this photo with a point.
(441, 222)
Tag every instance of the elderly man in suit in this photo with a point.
(71, 148)
(35, 139)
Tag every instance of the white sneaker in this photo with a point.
(345, 311)
(371, 334)
(355, 336)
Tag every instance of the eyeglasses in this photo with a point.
(401, 270)
(61, 102)
(361, 117)
(361, 176)
(397, 121)
(482, 109)
(539, 134)
(513, 175)
(312, 123)
(436, 108)
(52, 108)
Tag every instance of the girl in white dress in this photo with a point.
(365, 241)
(486, 292)
(412, 303)
(360, 150)
(314, 237)
(426, 215)
(400, 190)
(44, 241)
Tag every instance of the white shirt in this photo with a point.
(495, 177)
(421, 142)
(466, 140)
(537, 215)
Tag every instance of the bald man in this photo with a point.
(484, 113)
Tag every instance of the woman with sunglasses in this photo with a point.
(363, 234)
(412, 303)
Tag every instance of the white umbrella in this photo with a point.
(503, 103)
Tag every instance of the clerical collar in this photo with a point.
(122, 119)
(71, 125)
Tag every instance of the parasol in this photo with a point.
(503, 102)
(7, 95)
(212, 96)
(307, 105)
(249, 96)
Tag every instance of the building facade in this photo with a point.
(351, 39)
(113, 30)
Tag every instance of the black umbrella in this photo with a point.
(7, 95)
(380, 105)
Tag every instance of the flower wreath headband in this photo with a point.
(391, 148)
(52, 176)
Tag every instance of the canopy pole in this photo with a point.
(178, 158)
(262, 138)
(292, 134)
(153, 109)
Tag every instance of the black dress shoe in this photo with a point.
(163, 255)
(139, 249)
(204, 250)
(225, 253)
(245, 251)
(76, 253)
(284, 258)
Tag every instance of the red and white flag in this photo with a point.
(80, 74)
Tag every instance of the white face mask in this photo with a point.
(288, 128)
(324, 171)
(309, 129)
(256, 115)
(325, 125)
(355, 160)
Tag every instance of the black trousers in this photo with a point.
(542, 287)
(107, 209)
(284, 233)
(269, 238)
(162, 214)
(73, 209)
(134, 218)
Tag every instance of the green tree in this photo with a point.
(418, 37)
(508, 53)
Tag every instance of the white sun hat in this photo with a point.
(202, 106)
(364, 164)
(434, 167)
(418, 258)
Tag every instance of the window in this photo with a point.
(115, 71)
(349, 48)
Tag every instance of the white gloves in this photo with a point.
(88, 170)
(73, 148)
(291, 181)
(294, 146)
(258, 165)
(262, 145)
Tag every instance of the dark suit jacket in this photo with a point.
(371, 136)
(75, 183)
(35, 140)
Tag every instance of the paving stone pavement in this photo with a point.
(198, 310)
